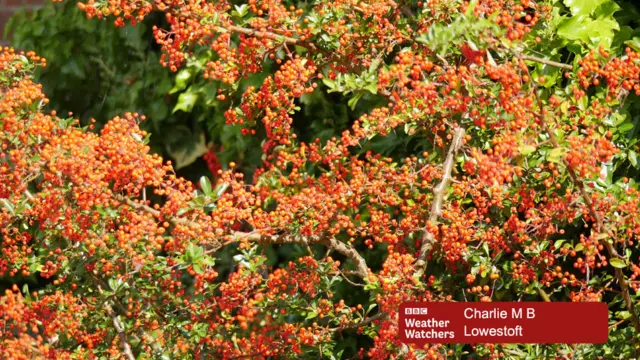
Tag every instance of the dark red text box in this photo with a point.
(503, 323)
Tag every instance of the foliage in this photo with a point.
(496, 147)
(97, 71)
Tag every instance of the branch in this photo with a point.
(252, 355)
(617, 323)
(367, 321)
(259, 34)
(544, 295)
(428, 238)
(545, 61)
(347, 250)
(126, 348)
(141, 333)
(624, 285)
(274, 36)
(344, 276)
(270, 35)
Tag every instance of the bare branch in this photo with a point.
(126, 348)
(438, 195)
(124, 343)
(344, 276)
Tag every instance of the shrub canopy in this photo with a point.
(493, 160)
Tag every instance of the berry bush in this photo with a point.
(513, 125)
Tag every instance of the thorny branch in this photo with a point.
(126, 348)
(428, 238)
(124, 343)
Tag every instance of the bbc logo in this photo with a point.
(416, 311)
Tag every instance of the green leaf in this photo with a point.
(209, 261)
(220, 189)
(575, 28)
(617, 263)
(8, 206)
(625, 127)
(624, 315)
(633, 158)
(185, 156)
(329, 83)
(583, 7)
(527, 149)
(194, 254)
(198, 268)
(634, 43)
(556, 154)
(242, 10)
(583, 28)
(550, 73)
(354, 100)
(205, 185)
(182, 80)
(311, 315)
(372, 88)
(186, 101)
(606, 10)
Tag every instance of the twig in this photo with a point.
(617, 323)
(349, 281)
(545, 61)
(438, 194)
(367, 321)
(544, 295)
(265, 34)
(407, 11)
(586, 265)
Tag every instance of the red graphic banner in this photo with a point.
(503, 323)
